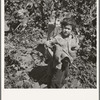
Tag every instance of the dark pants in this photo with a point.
(56, 76)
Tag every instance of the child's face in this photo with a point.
(67, 30)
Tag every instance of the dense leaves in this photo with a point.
(26, 22)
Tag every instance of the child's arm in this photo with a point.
(51, 42)
(74, 44)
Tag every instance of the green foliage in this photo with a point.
(26, 22)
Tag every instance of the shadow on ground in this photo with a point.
(39, 74)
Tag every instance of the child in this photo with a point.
(63, 48)
(66, 44)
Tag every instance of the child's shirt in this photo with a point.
(69, 46)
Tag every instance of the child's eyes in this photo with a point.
(68, 28)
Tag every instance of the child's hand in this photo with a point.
(48, 44)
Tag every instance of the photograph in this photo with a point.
(50, 44)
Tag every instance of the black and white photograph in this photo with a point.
(50, 44)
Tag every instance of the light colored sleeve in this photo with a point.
(74, 43)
